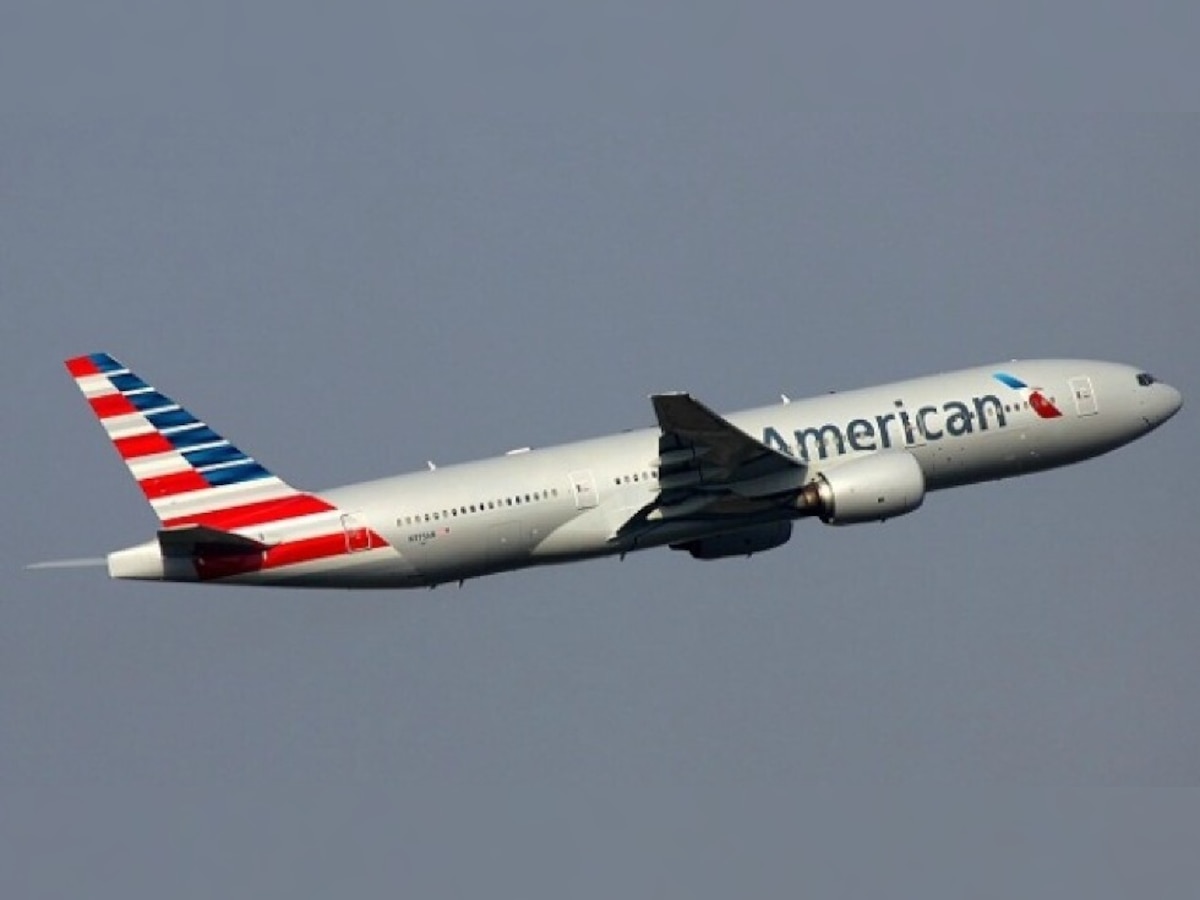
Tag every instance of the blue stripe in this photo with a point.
(213, 455)
(194, 437)
(172, 418)
(105, 363)
(1015, 383)
(127, 381)
(150, 400)
(248, 471)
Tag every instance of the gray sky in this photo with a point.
(360, 238)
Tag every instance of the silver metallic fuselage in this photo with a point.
(565, 503)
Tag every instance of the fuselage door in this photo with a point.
(1085, 397)
(583, 485)
(358, 536)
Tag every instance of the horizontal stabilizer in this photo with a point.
(201, 540)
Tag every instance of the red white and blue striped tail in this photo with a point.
(189, 473)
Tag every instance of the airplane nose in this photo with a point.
(1166, 402)
(1173, 401)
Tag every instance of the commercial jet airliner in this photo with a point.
(715, 486)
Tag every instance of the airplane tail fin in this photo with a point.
(190, 474)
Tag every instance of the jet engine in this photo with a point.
(871, 489)
(743, 542)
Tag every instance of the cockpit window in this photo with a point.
(1145, 379)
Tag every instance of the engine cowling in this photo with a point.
(872, 489)
(743, 542)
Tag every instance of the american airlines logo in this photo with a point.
(902, 427)
(1037, 401)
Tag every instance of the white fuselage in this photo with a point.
(569, 502)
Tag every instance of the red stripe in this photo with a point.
(111, 405)
(81, 366)
(169, 485)
(308, 549)
(143, 445)
(259, 513)
(305, 550)
(288, 554)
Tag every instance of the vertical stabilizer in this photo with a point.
(190, 474)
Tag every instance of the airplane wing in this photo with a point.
(708, 466)
(700, 448)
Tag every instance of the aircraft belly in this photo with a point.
(381, 567)
(977, 457)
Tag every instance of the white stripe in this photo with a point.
(225, 465)
(195, 502)
(225, 495)
(168, 408)
(299, 528)
(187, 426)
(130, 425)
(209, 446)
(157, 465)
(95, 385)
(158, 409)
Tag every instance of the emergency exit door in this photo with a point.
(1085, 396)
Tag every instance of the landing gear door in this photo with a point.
(1085, 397)
(583, 486)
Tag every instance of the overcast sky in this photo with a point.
(357, 238)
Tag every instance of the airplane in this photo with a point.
(714, 486)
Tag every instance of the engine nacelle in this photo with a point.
(742, 542)
(871, 489)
